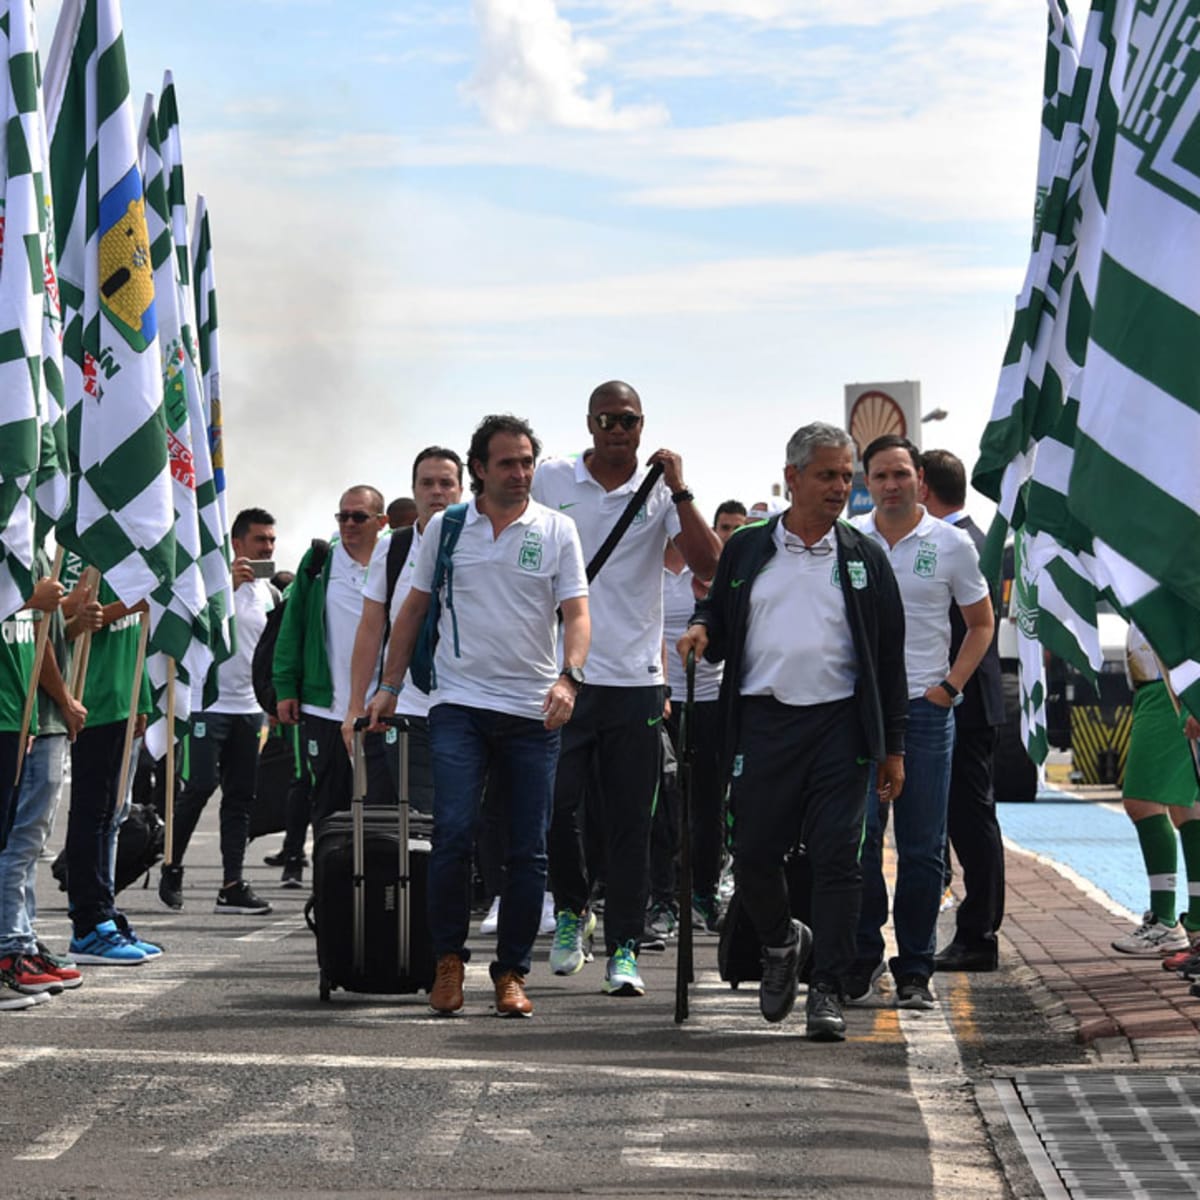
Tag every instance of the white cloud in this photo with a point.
(534, 71)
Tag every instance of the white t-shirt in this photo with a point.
(799, 646)
(625, 599)
(679, 602)
(934, 564)
(235, 686)
(412, 702)
(506, 595)
(343, 607)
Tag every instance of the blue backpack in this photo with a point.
(424, 673)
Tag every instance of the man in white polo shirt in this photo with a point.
(499, 699)
(934, 564)
(311, 668)
(222, 740)
(437, 483)
(613, 737)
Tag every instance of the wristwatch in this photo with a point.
(574, 674)
(956, 697)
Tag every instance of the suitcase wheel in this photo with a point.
(325, 988)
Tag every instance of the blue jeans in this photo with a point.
(919, 821)
(41, 784)
(466, 745)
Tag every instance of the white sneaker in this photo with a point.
(491, 922)
(1152, 938)
(948, 901)
(549, 924)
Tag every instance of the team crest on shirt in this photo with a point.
(199, 729)
(530, 556)
(639, 517)
(925, 564)
(858, 574)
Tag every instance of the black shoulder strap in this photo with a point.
(320, 552)
(399, 544)
(623, 522)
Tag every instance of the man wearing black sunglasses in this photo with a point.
(315, 645)
(613, 736)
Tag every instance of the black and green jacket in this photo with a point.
(876, 616)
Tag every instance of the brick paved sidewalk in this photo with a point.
(1123, 1007)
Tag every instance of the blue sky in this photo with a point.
(424, 212)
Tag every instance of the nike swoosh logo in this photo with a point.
(571, 505)
(653, 720)
(736, 582)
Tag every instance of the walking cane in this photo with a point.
(684, 965)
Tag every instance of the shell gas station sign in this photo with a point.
(873, 409)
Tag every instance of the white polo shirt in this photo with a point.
(412, 702)
(343, 607)
(799, 645)
(235, 685)
(506, 595)
(679, 602)
(625, 599)
(933, 564)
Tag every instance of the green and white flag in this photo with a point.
(33, 488)
(1020, 413)
(1030, 660)
(121, 518)
(178, 611)
(1134, 482)
(214, 523)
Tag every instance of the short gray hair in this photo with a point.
(812, 437)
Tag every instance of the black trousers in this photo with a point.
(801, 775)
(975, 835)
(333, 772)
(95, 766)
(222, 749)
(612, 738)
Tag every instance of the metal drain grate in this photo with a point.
(1097, 1136)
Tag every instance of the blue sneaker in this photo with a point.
(621, 977)
(106, 946)
(149, 949)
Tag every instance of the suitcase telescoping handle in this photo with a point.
(684, 967)
(357, 802)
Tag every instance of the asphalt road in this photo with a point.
(217, 1072)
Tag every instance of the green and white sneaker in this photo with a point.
(621, 977)
(571, 931)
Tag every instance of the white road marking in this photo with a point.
(276, 931)
(644, 1140)
(57, 1140)
(447, 1127)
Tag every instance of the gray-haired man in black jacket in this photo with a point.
(805, 613)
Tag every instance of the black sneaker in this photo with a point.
(281, 860)
(293, 873)
(824, 1013)
(240, 898)
(858, 986)
(912, 991)
(781, 970)
(170, 887)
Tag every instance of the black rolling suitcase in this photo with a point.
(370, 867)
(739, 952)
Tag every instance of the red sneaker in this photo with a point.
(69, 977)
(23, 975)
(1174, 961)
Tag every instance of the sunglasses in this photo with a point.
(626, 420)
(358, 517)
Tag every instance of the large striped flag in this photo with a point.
(213, 515)
(32, 431)
(121, 518)
(179, 610)
(1134, 482)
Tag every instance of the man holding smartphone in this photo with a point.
(223, 735)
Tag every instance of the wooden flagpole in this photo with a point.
(131, 720)
(39, 655)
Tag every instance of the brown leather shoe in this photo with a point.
(511, 1000)
(447, 994)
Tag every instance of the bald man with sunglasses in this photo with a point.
(614, 736)
(315, 646)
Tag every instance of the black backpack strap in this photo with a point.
(320, 554)
(623, 521)
(399, 545)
